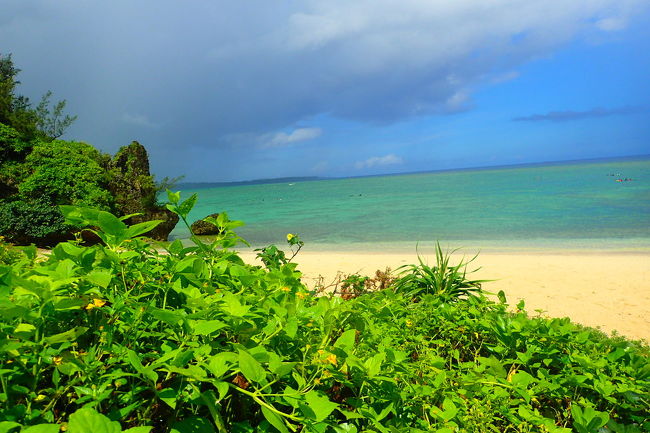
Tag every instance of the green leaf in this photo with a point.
(346, 340)
(173, 197)
(88, 420)
(168, 395)
(250, 368)
(147, 372)
(110, 224)
(24, 330)
(143, 429)
(206, 327)
(320, 405)
(7, 426)
(100, 277)
(69, 335)
(141, 228)
(274, 419)
(185, 207)
(42, 428)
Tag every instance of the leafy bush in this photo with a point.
(66, 172)
(121, 336)
(36, 220)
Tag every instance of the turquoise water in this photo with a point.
(573, 205)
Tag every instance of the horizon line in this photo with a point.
(262, 181)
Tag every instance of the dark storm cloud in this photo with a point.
(193, 75)
(567, 116)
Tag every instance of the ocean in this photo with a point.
(558, 206)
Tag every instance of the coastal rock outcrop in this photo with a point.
(134, 190)
(201, 227)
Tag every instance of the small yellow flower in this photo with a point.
(285, 289)
(57, 360)
(290, 236)
(409, 323)
(39, 397)
(331, 359)
(321, 351)
(316, 381)
(96, 303)
(302, 295)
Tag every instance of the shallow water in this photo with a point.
(568, 206)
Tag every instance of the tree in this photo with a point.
(16, 110)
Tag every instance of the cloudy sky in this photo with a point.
(235, 90)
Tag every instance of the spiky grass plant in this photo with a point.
(449, 282)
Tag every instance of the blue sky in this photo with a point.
(221, 91)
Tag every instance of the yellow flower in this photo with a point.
(331, 359)
(290, 236)
(96, 303)
(39, 397)
(285, 289)
(57, 360)
(409, 323)
(316, 381)
(301, 295)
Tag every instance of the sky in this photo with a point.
(239, 90)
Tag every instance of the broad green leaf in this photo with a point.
(220, 363)
(7, 426)
(233, 307)
(274, 419)
(100, 277)
(173, 197)
(141, 228)
(206, 327)
(42, 428)
(320, 405)
(222, 388)
(185, 207)
(88, 420)
(68, 335)
(143, 429)
(110, 224)
(250, 367)
(24, 330)
(346, 340)
(168, 395)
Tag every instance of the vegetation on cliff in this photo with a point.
(39, 172)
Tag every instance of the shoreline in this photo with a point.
(605, 290)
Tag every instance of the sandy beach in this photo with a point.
(609, 291)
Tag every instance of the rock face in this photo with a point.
(135, 191)
(201, 227)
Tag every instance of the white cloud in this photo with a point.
(139, 120)
(282, 139)
(611, 24)
(379, 161)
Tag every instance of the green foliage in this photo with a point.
(274, 258)
(443, 280)
(33, 220)
(122, 337)
(66, 172)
